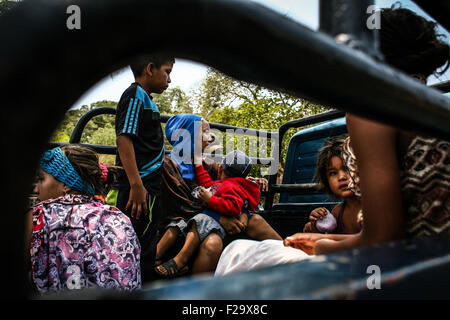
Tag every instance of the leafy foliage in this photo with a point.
(173, 101)
(252, 106)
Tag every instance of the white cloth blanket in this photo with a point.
(245, 255)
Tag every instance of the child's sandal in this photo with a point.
(172, 270)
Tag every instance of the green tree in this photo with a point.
(104, 136)
(65, 128)
(99, 122)
(173, 101)
(215, 92)
(247, 105)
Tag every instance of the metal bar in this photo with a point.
(325, 116)
(442, 86)
(406, 103)
(296, 188)
(81, 124)
(346, 22)
(247, 131)
(101, 149)
(317, 118)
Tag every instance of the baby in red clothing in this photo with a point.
(232, 195)
(233, 192)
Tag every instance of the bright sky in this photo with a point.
(187, 74)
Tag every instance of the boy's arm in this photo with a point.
(307, 241)
(202, 176)
(137, 200)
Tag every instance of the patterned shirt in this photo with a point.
(425, 184)
(79, 242)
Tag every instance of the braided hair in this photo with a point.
(85, 161)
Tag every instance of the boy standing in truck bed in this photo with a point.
(140, 151)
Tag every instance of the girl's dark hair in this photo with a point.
(139, 63)
(332, 147)
(85, 161)
(410, 43)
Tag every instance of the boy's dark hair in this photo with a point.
(85, 161)
(139, 63)
(332, 147)
(410, 43)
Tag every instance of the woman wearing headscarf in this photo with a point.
(178, 202)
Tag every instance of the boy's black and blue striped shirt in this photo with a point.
(138, 117)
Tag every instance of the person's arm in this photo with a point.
(202, 176)
(138, 194)
(375, 147)
(308, 241)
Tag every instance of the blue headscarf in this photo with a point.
(186, 122)
(56, 163)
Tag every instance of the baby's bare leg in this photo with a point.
(191, 244)
(259, 229)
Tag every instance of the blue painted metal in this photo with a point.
(409, 269)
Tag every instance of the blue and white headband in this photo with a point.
(56, 163)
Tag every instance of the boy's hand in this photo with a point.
(204, 195)
(137, 201)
